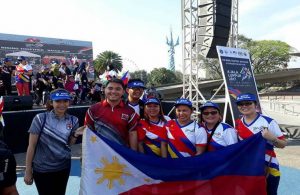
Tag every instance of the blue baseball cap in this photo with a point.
(152, 101)
(7, 60)
(209, 104)
(183, 101)
(60, 95)
(21, 58)
(136, 84)
(245, 97)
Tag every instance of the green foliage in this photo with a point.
(266, 56)
(108, 58)
(212, 67)
(161, 76)
(244, 42)
(179, 76)
(269, 55)
(140, 74)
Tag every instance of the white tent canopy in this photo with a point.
(24, 53)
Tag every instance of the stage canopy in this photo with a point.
(24, 53)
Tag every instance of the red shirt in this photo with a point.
(122, 117)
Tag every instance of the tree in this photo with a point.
(178, 76)
(269, 55)
(161, 76)
(244, 42)
(212, 66)
(266, 56)
(108, 59)
(140, 74)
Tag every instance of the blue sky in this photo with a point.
(137, 29)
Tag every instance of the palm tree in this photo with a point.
(108, 59)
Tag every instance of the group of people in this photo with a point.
(47, 79)
(60, 76)
(21, 70)
(143, 127)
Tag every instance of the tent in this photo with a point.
(25, 54)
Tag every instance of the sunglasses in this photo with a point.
(212, 113)
(245, 103)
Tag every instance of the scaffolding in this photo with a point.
(191, 63)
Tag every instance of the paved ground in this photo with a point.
(290, 155)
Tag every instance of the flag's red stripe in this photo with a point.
(233, 185)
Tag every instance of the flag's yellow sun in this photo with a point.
(112, 171)
(93, 139)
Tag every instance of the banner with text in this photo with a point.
(238, 75)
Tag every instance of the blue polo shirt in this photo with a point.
(52, 150)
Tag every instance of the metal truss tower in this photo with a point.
(233, 38)
(191, 62)
(172, 44)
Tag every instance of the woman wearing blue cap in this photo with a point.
(185, 136)
(152, 134)
(253, 122)
(219, 134)
(48, 158)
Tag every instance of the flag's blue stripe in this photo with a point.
(245, 158)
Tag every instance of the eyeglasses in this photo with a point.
(244, 103)
(212, 113)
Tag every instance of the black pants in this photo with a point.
(7, 85)
(51, 183)
(272, 184)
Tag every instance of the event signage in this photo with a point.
(238, 75)
(49, 49)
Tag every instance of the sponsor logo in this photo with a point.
(218, 134)
(69, 126)
(124, 116)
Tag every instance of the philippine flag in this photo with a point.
(110, 168)
(125, 78)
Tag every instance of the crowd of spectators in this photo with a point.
(48, 78)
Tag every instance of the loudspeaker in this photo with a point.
(214, 18)
(12, 103)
